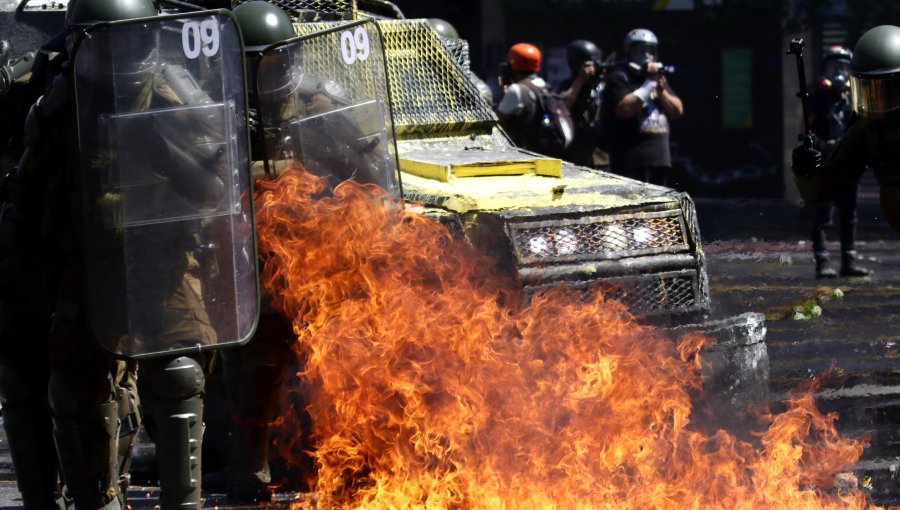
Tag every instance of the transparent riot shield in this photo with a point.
(323, 102)
(168, 229)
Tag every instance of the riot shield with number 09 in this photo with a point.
(168, 227)
(323, 101)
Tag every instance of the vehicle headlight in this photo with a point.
(539, 245)
(614, 238)
(642, 235)
(559, 241)
(566, 241)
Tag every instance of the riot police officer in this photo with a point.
(298, 116)
(829, 113)
(255, 373)
(91, 394)
(143, 230)
(638, 106)
(26, 298)
(316, 116)
(872, 138)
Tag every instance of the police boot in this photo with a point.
(822, 269)
(254, 376)
(249, 475)
(849, 267)
(29, 432)
(87, 443)
(176, 410)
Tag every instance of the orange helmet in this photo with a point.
(524, 57)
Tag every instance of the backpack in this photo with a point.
(552, 129)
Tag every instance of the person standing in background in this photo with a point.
(829, 114)
(636, 110)
(582, 92)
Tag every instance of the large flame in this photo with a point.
(429, 386)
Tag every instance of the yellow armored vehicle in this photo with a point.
(546, 220)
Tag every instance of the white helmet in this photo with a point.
(641, 46)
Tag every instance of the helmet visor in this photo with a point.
(277, 76)
(642, 53)
(835, 66)
(837, 70)
(874, 96)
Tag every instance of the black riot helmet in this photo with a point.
(262, 24)
(83, 13)
(443, 28)
(137, 59)
(835, 64)
(836, 52)
(875, 72)
(580, 51)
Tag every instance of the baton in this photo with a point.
(796, 48)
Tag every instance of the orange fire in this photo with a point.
(430, 385)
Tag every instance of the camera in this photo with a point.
(796, 47)
(664, 70)
(505, 74)
(601, 68)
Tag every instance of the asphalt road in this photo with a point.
(857, 337)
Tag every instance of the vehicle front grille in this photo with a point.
(645, 294)
(598, 237)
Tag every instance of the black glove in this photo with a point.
(253, 121)
(806, 160)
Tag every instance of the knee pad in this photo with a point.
(177, 413)
(182, 378)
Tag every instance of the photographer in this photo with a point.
(637, 106)
(581, 92)
(521, 85)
